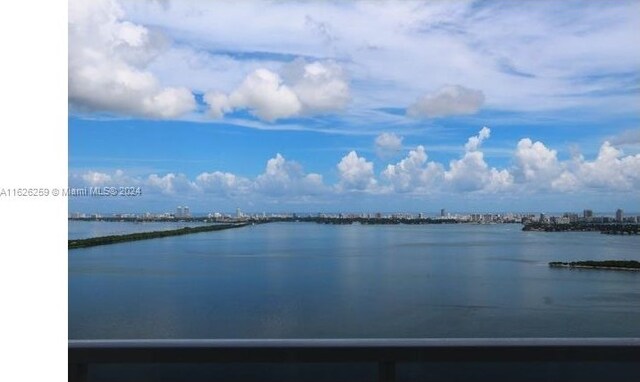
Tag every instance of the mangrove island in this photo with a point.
(113, 239)
(616, 265)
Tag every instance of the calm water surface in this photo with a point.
(306, 280)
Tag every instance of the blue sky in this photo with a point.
(356, 106)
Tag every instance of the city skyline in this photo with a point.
(181, 212)
(320, 107)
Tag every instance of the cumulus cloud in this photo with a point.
(388, 144)
(566, 181)
(535, 163)
(108, 59)
(321, 86)
(446, 101)
(170, 184)
(305, 89)
(610, 170)
(474, 142)
(223, 183)
(535, 168)
(472, 173)
(264, 94)
(95, 178)
(355, 173)
(282, 177)
(219, 104)
(412, 175)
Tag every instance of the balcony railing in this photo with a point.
(382, 354)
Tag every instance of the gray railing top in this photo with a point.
(356, 342)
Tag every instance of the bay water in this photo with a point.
(308, 280)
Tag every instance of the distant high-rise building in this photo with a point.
(587, 214)
(442, 212)
(238, 213)
(185, 212)
(619, 215)
(179, 212)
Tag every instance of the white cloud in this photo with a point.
(535, 163)
(609, 171)
(536, 169)
(321, 86)
(170, 184)
(567, 181)
(411, 174)
(498, 180)
(219, 104)
(264, 94)
(446, 101)
(282, 177)
(223, 183)
(307, 88)
(523, 58)
(94, 178)
(472, 173)
(474, 142)
(530, 57)
(355, 173)
(388, 144)
(169, 103)
(108, 57)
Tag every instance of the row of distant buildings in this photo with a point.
(588, 217)
(183, 212)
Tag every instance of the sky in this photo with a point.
(356, 106)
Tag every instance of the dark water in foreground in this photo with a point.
(305, 280)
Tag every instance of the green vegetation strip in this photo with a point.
(113, 239)
(627, 265)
